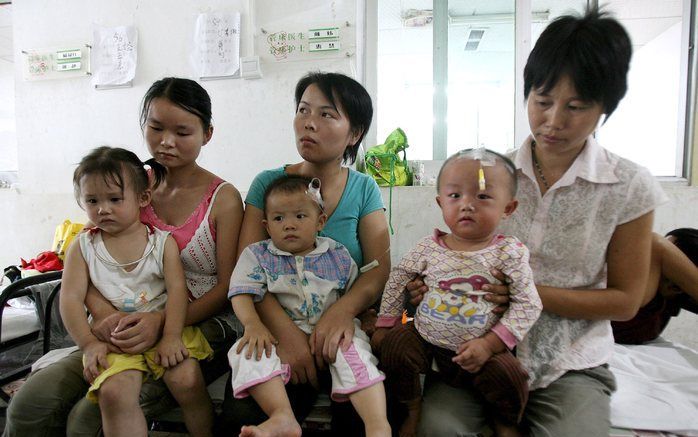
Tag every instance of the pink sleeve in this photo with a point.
(504, 334)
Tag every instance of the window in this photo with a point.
(657, 90)
(450, 74)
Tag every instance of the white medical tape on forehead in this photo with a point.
(485, 158)
(481, 154)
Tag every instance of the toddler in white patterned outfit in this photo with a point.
(454, 325)
(307, 274)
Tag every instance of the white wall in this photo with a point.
(58, 121)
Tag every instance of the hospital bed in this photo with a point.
(23, 322)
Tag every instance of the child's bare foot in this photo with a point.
(279, 425)
(506, 430)
(409, 425)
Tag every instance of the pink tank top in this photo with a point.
(184, 233)
(196, 239)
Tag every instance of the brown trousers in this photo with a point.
(502, 381)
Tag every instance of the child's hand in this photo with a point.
(258, 338)
(473, 354)
(95, 359)
(170, 351)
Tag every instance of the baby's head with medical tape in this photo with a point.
(294, 213)
(476, 189)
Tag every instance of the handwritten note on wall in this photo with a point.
(114, 55)
(217, 44)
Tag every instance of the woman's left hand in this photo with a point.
(334, 329)
(498, 293)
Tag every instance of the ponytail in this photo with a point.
(159, 172)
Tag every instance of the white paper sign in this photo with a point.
(114, 55)
(217, 44)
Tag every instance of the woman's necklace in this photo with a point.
(537, 165)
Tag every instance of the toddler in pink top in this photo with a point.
(454, 326)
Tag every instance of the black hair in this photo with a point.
(487, 154)
(287, 185)
(593, 50)
(185, 93)
(350, 94)
(115, 165)
(687, 242)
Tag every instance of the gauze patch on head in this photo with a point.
(486, 160)
(313, 192)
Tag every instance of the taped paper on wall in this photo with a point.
(217, 44)
(114, 55)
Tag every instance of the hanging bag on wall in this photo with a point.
(384, 164)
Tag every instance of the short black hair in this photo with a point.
(687, 242)
(488, 154)
(593, 50)
(353, 98)
(287, 185)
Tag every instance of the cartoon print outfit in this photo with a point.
(305, 286)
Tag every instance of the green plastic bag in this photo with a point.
(384, 164)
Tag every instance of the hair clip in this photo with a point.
(314, 192)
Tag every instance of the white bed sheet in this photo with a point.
(657, 387)
(18, 321)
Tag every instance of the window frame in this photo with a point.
(687, 150)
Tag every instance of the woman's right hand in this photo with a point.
(294, 350)
(499, 294)
(416, 289)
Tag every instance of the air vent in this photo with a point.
(474, 38)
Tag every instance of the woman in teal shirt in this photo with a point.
(333, 113)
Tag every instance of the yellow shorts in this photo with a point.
(192, 338)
